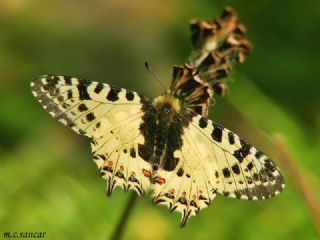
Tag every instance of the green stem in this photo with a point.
(117, 234)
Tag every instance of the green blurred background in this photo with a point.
(48, 181)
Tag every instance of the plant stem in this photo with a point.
(117, 234)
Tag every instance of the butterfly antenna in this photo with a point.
(146, 64)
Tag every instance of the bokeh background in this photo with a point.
(48, 181)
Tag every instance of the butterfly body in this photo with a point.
(167, 137)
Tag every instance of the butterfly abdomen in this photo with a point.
(160, 145)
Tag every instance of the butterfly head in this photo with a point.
(167, 107)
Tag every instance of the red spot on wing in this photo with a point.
(146, 173)
(159, 180)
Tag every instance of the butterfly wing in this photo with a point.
(217, 44)
(215, 160)
(192, 91)
(109, 116)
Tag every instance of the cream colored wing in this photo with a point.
(109, 116)
(214, 160)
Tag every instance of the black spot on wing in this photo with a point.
(237, 194)
(119, 174)
(182, 200)
(203, 122)
(180, 172)
(269, 165)
(193, 203)
(103, 157)
(113, 94)
(238, 154)
(133, 179)
(226, 193)
(60, 98)
(258, 154)
(70, 94)
(133, 153)
(90, 117)
(236, 169)
(250, 166)
(231, 138)
(82, 107)
(129, 95)
(52, 80)
(242, 152)
(217, 132)
(83, 92)
(108, 169)
(226, 172)
(67, 80)
(98, 88)
(169, 195)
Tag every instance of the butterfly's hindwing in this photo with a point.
(239, 169)
(214, 160)
(109, 116)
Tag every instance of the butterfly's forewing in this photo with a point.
(109, 116)
(215, 160)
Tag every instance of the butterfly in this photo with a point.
(167, 144)
(141, 144)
